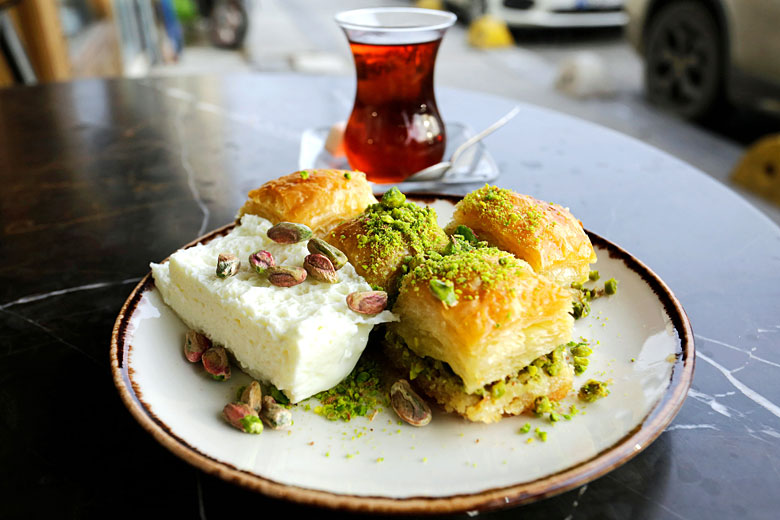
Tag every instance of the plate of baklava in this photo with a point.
(402, 354)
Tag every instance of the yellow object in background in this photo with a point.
(430, 4)
(759, 169)
(489, 32)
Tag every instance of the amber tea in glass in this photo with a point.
(395, 128)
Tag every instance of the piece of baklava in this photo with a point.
(320, 199)
(545, 235)
(480, 332)
(380, 241)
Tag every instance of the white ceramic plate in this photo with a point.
(642, 343)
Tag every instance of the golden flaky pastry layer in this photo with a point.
(320, 199)
(544, 234)
(502, 315)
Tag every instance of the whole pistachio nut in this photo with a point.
(320, 268)
(195, 344)
(243, 417)
(393, 198)
(444, 291)
(466, 233)
(227, 265)
(275, 415)
(317, 246)
(253, 396)
(216, 363)
(289, 233)
(286, 276)
(261, 260)
(367, 302)
(408, 405)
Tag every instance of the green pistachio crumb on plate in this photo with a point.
(542, 405)
(593, 390)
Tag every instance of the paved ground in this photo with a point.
(300, 35)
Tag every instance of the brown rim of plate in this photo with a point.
(608, 459)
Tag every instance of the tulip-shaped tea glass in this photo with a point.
(395, 128)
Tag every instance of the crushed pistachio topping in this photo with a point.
(585, 295)
(304, 175)
(498, 389)
(542, 405)
(525, 429)
(390, 230)
(580, 353)
(466, 270)
(393, 198)
(359, 394)
(551, 363)
(499, 205)
(593, 390)
(434, 369)
(347, 175)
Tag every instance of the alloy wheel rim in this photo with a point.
(679, 61)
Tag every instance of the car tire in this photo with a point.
(684, 60)
(228, 24)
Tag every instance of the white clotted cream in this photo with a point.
(302, 339)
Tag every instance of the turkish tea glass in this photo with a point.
(395, 128)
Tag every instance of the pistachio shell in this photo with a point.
(253, 396)
(275, 415)
(408, 405)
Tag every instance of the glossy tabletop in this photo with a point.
(99, 178)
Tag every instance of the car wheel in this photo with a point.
(229, 22)
(683, 60)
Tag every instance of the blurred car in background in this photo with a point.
(545, 13)
(700, 53)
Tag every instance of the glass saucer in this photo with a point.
(476, 165)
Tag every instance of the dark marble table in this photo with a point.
(101, 177)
